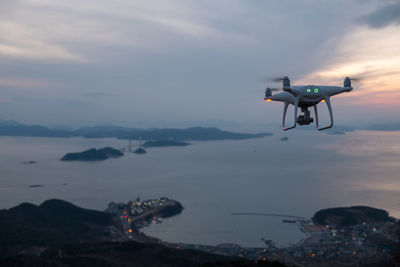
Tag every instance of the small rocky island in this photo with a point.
(93, 154)
(140, 151)
(164, 143)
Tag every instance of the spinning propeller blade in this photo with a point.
(278, 79)
(275, 89)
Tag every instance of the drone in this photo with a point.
(305, 96)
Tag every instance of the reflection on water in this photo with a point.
(213, 179)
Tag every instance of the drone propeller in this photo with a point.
(274, 89)
(278, 79)
(268, 91)
(356, 79)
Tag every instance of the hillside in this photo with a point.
(128, 254)
(58, 233)
(54, 222)
(350, 216)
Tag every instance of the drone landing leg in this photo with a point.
(285, 107)
(296, 106)
(328, 103)
(316, 116)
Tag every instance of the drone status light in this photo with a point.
(316, 90)
(268, 100)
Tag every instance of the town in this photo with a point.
(323, 244)
(137, 214)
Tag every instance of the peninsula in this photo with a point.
(138, 214)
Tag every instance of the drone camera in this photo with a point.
(304, 120)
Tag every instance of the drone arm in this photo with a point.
(296, 105)
(328, 103)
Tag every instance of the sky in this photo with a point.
(182, 63)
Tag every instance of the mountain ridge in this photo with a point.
(11, 128)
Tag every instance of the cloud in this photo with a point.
(157, 58)
(19, 82)
(373, 56)
(94, 94)
(19, 41)
(384, 16)
(66, 30)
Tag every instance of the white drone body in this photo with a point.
(306, 96)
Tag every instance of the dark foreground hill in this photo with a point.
(350, 216)
(58, 233)
(126, 254)
(54, 222)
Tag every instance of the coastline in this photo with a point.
(336, 244)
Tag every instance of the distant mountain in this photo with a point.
(9, 123)
(164, 143)
(341, 128)
(11, 128)
(31, 130)
(194, 133)
(102, 131)
(384, 127)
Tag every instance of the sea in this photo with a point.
(213, 179)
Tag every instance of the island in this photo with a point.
(93, 154)
(336, 133)
(29, 162)
(164, 143)
(140, 151)
(35, 185)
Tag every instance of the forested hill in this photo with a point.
(350, 216)
(58, 233)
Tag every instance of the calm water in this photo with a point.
(212, 179)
